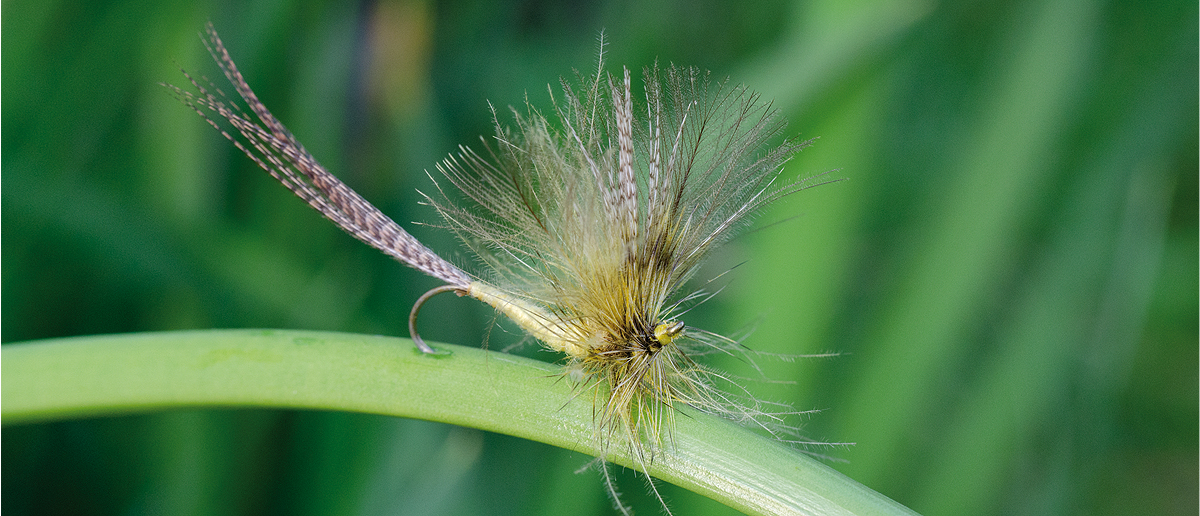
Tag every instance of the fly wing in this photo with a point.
(626, 189)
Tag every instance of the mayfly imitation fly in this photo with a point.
(589, 226)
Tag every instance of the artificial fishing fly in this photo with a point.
(590, 224)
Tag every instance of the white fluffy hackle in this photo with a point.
(592, 221)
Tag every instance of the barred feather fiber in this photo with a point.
(590, 220)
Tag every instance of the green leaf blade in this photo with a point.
(120, 374)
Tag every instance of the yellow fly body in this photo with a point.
(589, 221)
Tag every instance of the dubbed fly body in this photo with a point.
(590, 221)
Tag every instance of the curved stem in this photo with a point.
(119, 374)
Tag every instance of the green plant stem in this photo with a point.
(120, 374)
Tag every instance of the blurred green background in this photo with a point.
(1010, 273)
